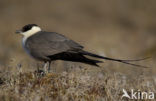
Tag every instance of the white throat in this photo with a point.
(29, 33)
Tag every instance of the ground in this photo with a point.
(76, 85)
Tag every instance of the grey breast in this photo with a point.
(44, 44)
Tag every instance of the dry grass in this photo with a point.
(79, 85)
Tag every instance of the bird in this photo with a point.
(50, 46)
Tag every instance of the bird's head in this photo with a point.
(29, 30)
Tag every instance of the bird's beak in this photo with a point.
(18, 31)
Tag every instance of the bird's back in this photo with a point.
(44, 44)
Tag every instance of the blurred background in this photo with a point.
(124, 29)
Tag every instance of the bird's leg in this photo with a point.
(46, 64)
(49, 64)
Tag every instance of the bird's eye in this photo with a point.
(26, 28)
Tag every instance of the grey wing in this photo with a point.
(50, 43)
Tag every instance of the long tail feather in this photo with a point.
(117, 60)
